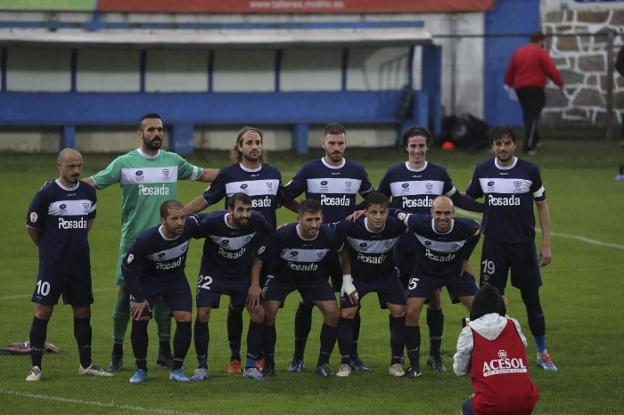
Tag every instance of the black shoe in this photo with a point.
(116, 363)
(357, 365)
(269, 369)
(412, 372)
(165, 359)
(324, 370)
(436, 364)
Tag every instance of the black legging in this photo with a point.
(532, 100)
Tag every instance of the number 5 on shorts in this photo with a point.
(413, 283)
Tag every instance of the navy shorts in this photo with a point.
(389, 290)
(210, 288)
(176, 294)
(498, 257)
(311, 291)
(76, 289)
(422, 286)
(404, 256)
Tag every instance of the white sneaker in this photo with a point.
(199, 374)
(93, 370)
(34, 375)
(396, 370)
(344, 371)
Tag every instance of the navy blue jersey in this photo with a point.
(509, 193)
(370, 252)
(413, 190)
(335, 187)
(442, 254)
(262, 185)
(153, 258)
(61, 215)
(228, 251)
(293, 259)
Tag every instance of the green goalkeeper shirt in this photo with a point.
(146, 182)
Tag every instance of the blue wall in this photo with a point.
(508, 17)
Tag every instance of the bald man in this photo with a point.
(445, 245)
(59, 218)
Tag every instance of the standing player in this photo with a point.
(225, 270)
(249, 174)
(148, 176)
(509, 186)
(335, 183)
(413, 185)
(59, 219)
(444, 246)
(152, 268)
(297, 258)
(368, 266)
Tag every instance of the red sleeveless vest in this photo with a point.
(500, 376)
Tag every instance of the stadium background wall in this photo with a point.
(475, 49)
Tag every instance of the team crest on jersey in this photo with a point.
(269, 186)
(517, 184)
(348, 184)
(320, 254)
(165, 173)
(429, 187)
(130, 258)
(388, 244)
(502, 354)
(86, 206)
(34, 216)
(138, 176)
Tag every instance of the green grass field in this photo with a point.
(582, 299)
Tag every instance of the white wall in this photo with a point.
(107, 70)
(176, 71)
(38, 69)
(244, 71)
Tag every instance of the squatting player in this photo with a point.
(154, 268)
(335, 182)
(368, 266)
(413, 185)
(148, 176)
(59, 219)
(444, 245)
(297, 257)
(262, 182)
(231, 237)
(509, 186)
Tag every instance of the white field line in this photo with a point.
(111, 404)
(557, 234)
(26, 296)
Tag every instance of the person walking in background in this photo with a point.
(527, 71)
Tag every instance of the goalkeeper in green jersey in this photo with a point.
(148, 176)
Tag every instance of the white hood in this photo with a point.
(489, 326)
